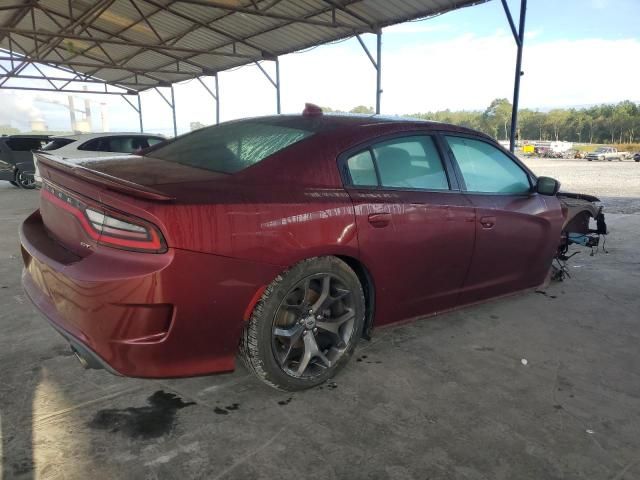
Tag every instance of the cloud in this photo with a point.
(464, 72)
(533, 34)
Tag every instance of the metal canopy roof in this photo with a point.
(140, 44)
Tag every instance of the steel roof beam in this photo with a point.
(139, 71)
(158, 48)
(18, 16)
(260, 13)
(68, 91)
(50, 14)
(206, 25)
(270, 29)
(63, 79)
(344, 9)
(146, 20)
(245, 39)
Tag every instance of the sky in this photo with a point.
(576, 53)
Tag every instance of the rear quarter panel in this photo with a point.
(287, 208)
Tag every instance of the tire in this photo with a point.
(295, 320)
(25, 180)
(14, 183)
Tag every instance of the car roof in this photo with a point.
(90, 136)
(25, 135)
(344, 122)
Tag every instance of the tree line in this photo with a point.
(606, 123)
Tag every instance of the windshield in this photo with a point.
(234, 146)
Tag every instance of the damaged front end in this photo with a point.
(579, 210)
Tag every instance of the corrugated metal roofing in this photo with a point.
(138, 44)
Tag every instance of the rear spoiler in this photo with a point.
(98, 178)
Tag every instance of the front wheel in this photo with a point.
(306, 325)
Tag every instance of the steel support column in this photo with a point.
(378, 70)
(217, 100)
(275, 83)
(215, 96)
(518, 36)
(138, 109)
(172, 106)
(173, 111)
(377, 64)
(278, 109)
(140, 113)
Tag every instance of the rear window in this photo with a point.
(120, 144)
(234, 146)
(57, 143)
(25, 144)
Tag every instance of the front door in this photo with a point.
(517, 230)
(415, 228)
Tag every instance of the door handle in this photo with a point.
(488, 222)
(379, 220)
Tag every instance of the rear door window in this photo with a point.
(95, 145)
(57, 143)
(486, 169)
(25, 144)
(123, 144)
(410, 162)
(362, 170)
(151, 141)
(407, 163)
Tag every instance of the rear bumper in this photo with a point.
(88, 357)
(143, 315)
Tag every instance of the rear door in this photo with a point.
(415, 228)
(517, 230)
(21, 148)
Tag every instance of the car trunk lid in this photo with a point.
(133, 185)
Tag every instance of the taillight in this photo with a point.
(107, 227)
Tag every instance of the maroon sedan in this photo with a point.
(284, 238)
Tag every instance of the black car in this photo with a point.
(636, 157)
(16, 159)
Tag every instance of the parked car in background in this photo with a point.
(93, 145)
(636, 157)
(16, 159)
(607, 153)
(285, 237)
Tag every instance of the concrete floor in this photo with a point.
(442, 398)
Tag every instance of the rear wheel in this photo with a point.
(14, 183)
(25, 180)
(306, 325)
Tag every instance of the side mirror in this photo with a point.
(547, 186)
